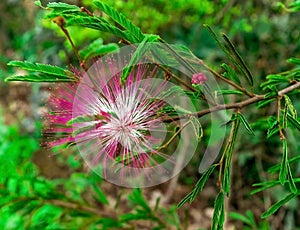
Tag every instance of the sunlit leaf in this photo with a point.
(294, 60)
(96, 48)
(41, 68)
(121, 20)
(138, 55)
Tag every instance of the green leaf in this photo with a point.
(276, 168)
(100, 195)
(227, 91)
(214, 35)
(38, 3)
(121, 20)
(40, 78)
(100, 24)
(230, 73)
(291, 182)
(293, 121)
(295, 6)
(198, 187)
(60, 6)
(42, 68)
(265, 102)
(285, 169)
(197, 127)
(219, 212)
(278, 205)
(137, 198)
(294, 60)
(240, 217)
(273, 80)
(237, 57)
(284, 116)
(139, 53)
(284, 162)
(96, 48)
(246, 124)
(264, 186)
(290, 106)
(228, 151)
(273, 128)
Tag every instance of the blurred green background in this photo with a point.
(44, 190)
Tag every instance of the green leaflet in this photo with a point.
(197, 127)
(121, 20)
(139, 53)
(276, 168)
(294, 60)
(290, 106)
(98, 24)
(277, 205)
(228, 151)
(96, 48)
(230, 51)
(39, 77)
(265, 102)
(198, 187)
(273, 126)
(274, 80)
(239, 60)
(245, 123)
(60, 6)
(227, 91)
(248, 219)
(293, 121)
(41, 73)
(42, 68)
(285, 169)
(264, 186)
(219, 212)
(230, 73)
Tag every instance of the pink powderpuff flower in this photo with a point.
(108, 119)
(199, 78)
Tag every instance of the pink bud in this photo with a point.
(199, 78)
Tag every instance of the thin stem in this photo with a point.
(173, 137)
(217, 75)
(61, 22)
(237, 105)
(176, 78)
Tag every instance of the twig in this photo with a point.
(288, 89)
(237, 105)
(60, 21)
